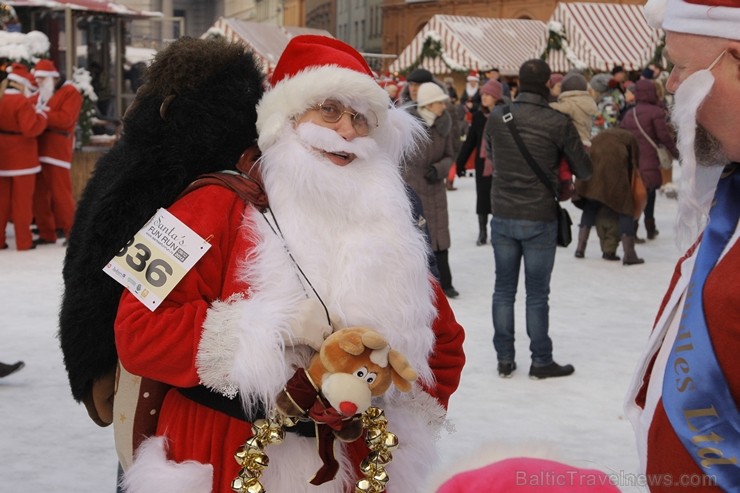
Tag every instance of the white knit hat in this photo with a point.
(429, 93)
(716, 18)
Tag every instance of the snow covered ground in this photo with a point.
(600, 317)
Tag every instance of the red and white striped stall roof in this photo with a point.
(266, 41)
(476, 43)
(602, 35)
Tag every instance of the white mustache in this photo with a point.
(328, 140)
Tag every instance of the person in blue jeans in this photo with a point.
(524, 224)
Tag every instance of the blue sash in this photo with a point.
(696, 397)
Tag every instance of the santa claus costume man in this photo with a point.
(20, 124)
(684, 395)
(53, 202)
(333, 245)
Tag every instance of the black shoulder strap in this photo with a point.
(508, 118)
(243, 181)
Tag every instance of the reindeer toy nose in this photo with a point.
(348, 408)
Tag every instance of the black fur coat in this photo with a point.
(195, 114)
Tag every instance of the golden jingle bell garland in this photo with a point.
(253, 460)
(381, 443)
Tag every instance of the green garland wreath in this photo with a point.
(555, 42)
(432, 48)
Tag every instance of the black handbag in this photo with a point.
(565, 235)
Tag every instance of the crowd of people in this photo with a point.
(38, 117)
(634, 101)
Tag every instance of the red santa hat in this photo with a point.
(45, 68)
(311, 69)
(716, 18)
(19, 73)
(473, 76)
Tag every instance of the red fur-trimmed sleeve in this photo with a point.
(448, 358)
(162, 345)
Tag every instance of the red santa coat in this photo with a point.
(662, 455)
(163, 346)
(19, 127)
(57, 141)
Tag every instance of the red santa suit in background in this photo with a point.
(53, 202)
(669, 464)
(343, 236)
(20, 124)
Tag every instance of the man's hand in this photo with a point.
(310, 326)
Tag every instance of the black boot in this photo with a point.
(630, 256)
(638, 240)
(652, 231)
(482, 226)
(6, 369)
(583, 233)
(549, 371)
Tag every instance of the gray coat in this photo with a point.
(516, 192)
(437, 154)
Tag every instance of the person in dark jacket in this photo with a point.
(491, 95)
(652, 119)
(524, 224)
(615, 155)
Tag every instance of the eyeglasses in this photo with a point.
(331, 111)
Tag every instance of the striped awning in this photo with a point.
(475, 43)
(602, 35)
(266, 41)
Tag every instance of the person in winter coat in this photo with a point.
(524, 224)
(653, 121)
(575, 101)
(329, 242)
(53, 202)
(491, 95)
(426, 170)
(615, 155)
(20, 124)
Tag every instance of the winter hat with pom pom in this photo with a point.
(311, 69)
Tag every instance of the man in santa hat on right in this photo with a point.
(684, 395)
(331, 243)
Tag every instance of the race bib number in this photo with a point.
(156, 259)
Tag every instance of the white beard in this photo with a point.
(46, 90)
(700, 170)
(350, 229)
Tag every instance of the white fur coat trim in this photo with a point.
(416, 418)
(152, 472)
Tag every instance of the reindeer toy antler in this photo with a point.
(335, 392)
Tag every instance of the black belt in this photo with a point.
(58, 132)
(233, 407)
(8, 132)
